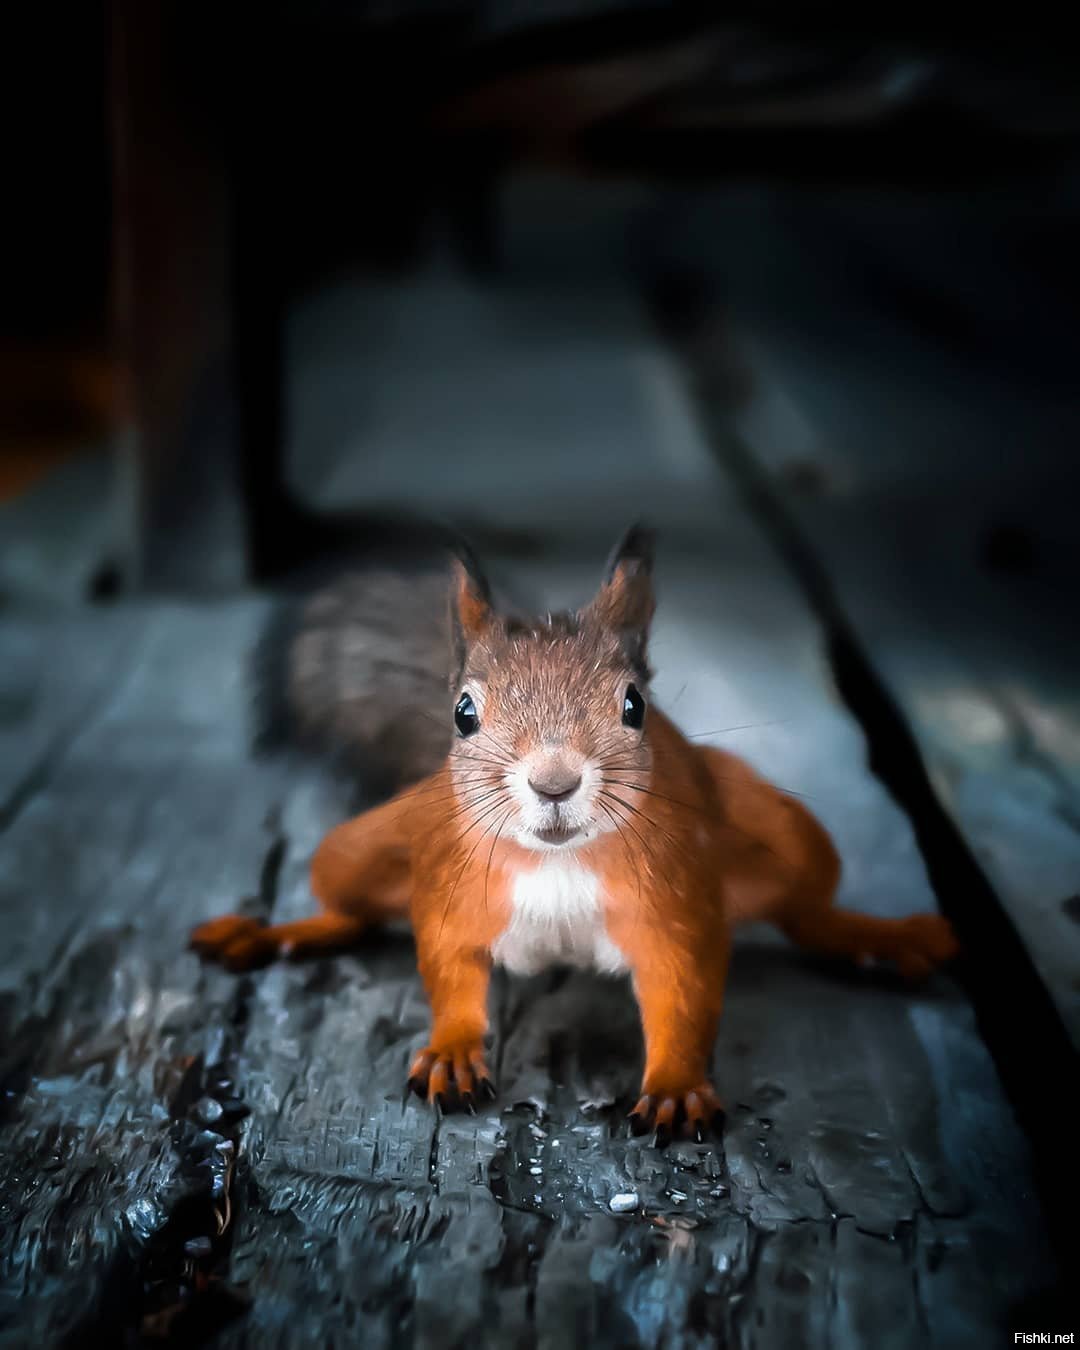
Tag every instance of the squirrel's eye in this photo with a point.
(466, 718)
(633, 708)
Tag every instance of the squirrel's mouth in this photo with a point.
(557, 834)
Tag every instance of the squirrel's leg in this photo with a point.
(791, 880)
(450, 1070)
(239, 942)
(359, 875)
(680, 991)
(781, 866)
(915, 944)
(805, 910)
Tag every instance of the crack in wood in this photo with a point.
(1024, 1033)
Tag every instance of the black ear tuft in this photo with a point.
(625, 601)
(635, 549)
(471, 610)
(470, 563)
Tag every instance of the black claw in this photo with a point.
(467, 1103)
(416, 1085)
(699, 1131)
(663, 1136)
(439, 1102)
(638, 1124)
(486, 1089)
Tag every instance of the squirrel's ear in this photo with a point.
(471, 613)
(625, 601)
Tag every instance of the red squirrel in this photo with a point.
(573, 823)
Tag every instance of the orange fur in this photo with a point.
(689, 841)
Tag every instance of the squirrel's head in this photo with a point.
(549, 715)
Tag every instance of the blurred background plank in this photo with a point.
(249, 166)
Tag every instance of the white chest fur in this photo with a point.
(556, 919)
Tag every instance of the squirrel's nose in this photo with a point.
(555, 784)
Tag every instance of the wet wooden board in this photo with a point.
(144, 805)
(848, 1178)
(852, 1201)
(872, 1187)
(735, 648)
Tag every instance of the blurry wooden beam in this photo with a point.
(253, 153)
(182, 519)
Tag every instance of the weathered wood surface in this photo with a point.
(938, 501)
(148, 806)
(871, 1187)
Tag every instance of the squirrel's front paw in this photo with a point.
(235, 941)
(670, 1112)
(452, 1077)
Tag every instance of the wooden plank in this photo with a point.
(42, 707)
(149, 806)
(872, 1185)
(844, 1164)
(356, 1212)
(844, 1090)
(939, 503)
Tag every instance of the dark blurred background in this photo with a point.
(233, 242)
(301, 284)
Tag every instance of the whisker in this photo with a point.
(661, 796)
(462, 805)
(622, 839)
(485, 733)
(491, 855)
(645, 844)
(741, 726)
(715, 818)
(449, 790)
(431, 717)
(472, 766)
(475, 757)
(717, 777)
(482, 815)
(678, 696)
(470, 803)
(655, 824)
(464, 865)
(448, 724)
(503, 761)
(468, 771)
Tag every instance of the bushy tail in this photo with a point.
(358, 669)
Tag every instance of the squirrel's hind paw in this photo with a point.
(235, 942)
(925, 941)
